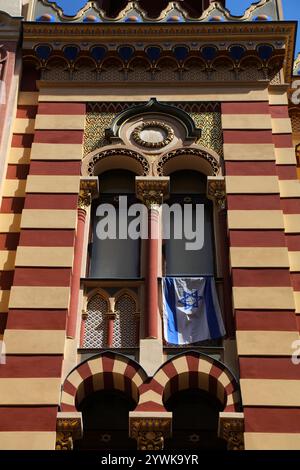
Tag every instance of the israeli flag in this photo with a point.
(191, 310)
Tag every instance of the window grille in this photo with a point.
(96, 323)
(125, 323)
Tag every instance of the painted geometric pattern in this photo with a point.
(187, 370)
(96, 323)
(97, 122)
(124, 323)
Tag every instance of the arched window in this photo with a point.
(188, 188)
(125, 325)
(96, 323)
(114, 257)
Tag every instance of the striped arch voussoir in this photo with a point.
(196, 370)
(103, 372)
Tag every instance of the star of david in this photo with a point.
(190, 300)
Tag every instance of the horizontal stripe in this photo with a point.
(19, 155)
(69, 122)
(263, 257)
(245, 108)
(53, 184)
(47, 238)
(289, 188)
(282, 140)
(278, 97)
(33, 391)
(253, 201)
(120, 94)
(12, 205)
(34, 342)
(279, 111)
(250, 152)
(295, 280)
(31, 367)
(250, 168)
(22, 140)
(270, 392)
(14, 188)
(257, 238)
(51, 201)
(251, 184)
(247, 137)
(34, 218)
(62, 108)
(28, 98)
(266, 320)
(294, 257)
(6, 279)
(19, 171)
(246, 121)
(261, 277)
(28, 319)
(26, 111)
(28, 418)
(39, 297)
(4, 299)
(63, 151)
(27, 440)
(297, 302)
(55, 168)
(293, 242)
(7, 260)
(268, 368)
(10, 222)
(271, 441)
(58, 137)
(44, 256)
(261, 219)
(23, 126)
(265, 343)
(287, 172)
(281, 125)
(285, 156)
(272, 420)
(292, 223)
(9, 241)
(42, 277)
(280, 298)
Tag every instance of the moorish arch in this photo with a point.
(106, 371)
(109, 158)
(191, 370)
(196, 158)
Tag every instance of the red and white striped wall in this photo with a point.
(262, 198)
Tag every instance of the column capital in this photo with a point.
(68, 429)
(150, 429)
(152, 190)
(216, 191)
(89, 190)
(231, 429)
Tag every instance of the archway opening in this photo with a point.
(105, 421)
(195, 421)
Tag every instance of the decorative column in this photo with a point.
(152, 191)
(68, 429)
(111, 316)
(150, 430)
(231, 429)
(88, 190)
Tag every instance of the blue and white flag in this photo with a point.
(191, 310)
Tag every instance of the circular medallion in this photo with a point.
(153, 134)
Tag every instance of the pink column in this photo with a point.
(151, 323)
(82, 329)
(110, 330)
(75, 285)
